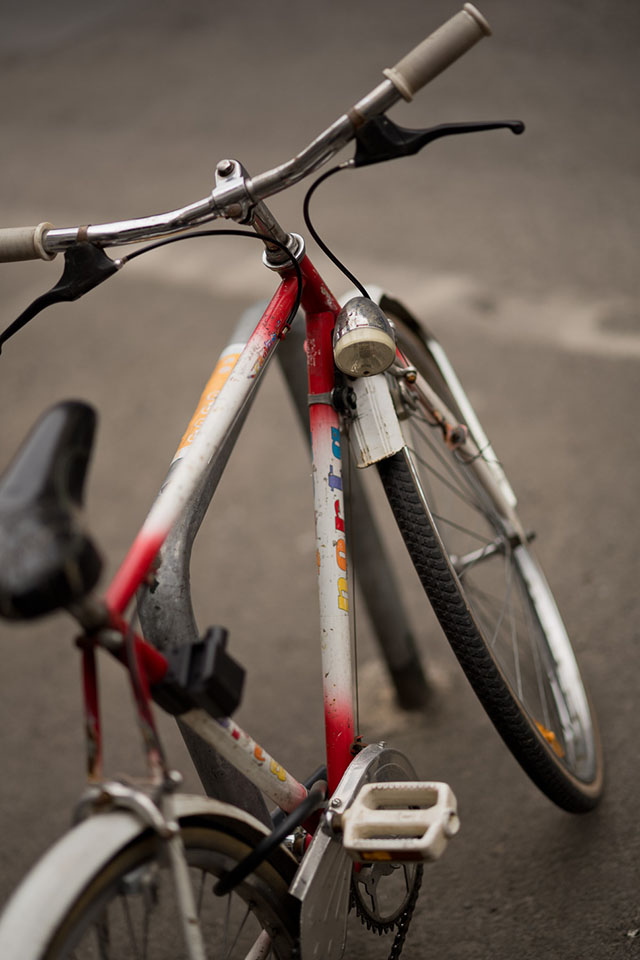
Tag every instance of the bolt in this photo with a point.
(336, 802)
(173, 781)
(458, 435)
(225, 168)
(382, 743)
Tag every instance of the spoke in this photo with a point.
(502, 612)
(514, 635)
(101, 930)
(147, 915)
(240, 929)
(227, 918)
(533, 631)
(129, 922)
(496, 603)
(483, 611)
(453, 482)
(460, 482)
(457, 480)
(461, 494)
(426, 479)
(567, 721)
(461, 486)
(464, 484)
(461, 529)
(200, 898)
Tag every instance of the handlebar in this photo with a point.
(410, 74)
(24, 243)
(438, 51)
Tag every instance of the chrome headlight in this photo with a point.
(363, 339)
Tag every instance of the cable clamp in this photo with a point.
(320, 398)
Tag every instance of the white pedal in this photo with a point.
(404, 820)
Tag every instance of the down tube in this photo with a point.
(209, 438)
(337, 660)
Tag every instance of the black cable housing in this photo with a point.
(87, 265)
(325, 249)
(232, 233)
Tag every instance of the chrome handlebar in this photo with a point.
(233, 199)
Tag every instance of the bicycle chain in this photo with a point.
(405, 919)
(401, 924)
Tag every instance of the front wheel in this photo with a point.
(106, 891)
(486, 587)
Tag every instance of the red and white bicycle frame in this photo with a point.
(229, 390)
(239, 197)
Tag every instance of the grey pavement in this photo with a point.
(520, 252)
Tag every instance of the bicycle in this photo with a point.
(358, 831)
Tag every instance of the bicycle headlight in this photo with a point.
(363, 339)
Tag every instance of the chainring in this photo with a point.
(383, 893)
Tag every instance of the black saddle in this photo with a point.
(47, 560)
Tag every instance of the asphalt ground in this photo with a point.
(519, 252)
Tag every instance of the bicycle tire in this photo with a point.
(540, 707)
(123, 892)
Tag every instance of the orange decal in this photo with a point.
(217, 380)
(341, 554)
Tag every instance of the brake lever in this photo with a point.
(85, 266)
(381, 139)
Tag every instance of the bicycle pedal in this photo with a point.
(405, 820)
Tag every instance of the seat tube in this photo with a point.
(331, 556)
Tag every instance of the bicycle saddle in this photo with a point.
(47, 560)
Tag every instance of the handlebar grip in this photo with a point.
(438, 51)
(24, 243)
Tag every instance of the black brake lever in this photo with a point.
(85, 266)
(381, 139)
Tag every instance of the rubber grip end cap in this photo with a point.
(481, 20)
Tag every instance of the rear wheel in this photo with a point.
(125, 906)
(488, 591)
